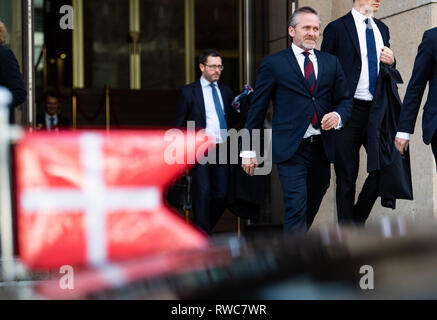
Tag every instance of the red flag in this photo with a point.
(93, 197)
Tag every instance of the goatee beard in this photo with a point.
(367, 11)
(308, 48)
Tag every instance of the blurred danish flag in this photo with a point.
(90, 197)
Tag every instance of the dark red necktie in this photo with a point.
(310, 78)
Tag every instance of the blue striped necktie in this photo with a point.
(371, 56)
(218, 108)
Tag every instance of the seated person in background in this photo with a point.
(51, 119)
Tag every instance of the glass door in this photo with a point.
(162, 44)
(217, 26)
(135, 44)
(106, 46)
(142, 44)
(145, 50)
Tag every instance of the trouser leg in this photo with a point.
(319, 175)
(367, 198)
(219, 189)
(347, 161)
(304, 180)
(201, 197)
(293, 178)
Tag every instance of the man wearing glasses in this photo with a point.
(208, 104)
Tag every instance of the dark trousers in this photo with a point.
(347, 161)
(304, 180)
(210, 187)
(434, 148)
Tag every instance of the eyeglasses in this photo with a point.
(214, 66)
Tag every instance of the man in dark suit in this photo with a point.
(10, 75)
(360, 42)
(310, 99)
(208, 104)
(51, 119)
(424, 71)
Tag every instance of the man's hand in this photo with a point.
(330, 121)
(248, 165)
(387, 56)
(401, 144)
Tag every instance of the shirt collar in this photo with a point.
(205, 83)
(49, 116)
(297, 51)
(359, 17)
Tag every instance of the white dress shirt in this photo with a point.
(300, 57)
(47, 119)
(403, 135)
(362, 92)
(212, 121)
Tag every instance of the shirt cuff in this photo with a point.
(248, 154)
(340, 124)
(403, 135)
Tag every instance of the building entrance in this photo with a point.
(143, 51)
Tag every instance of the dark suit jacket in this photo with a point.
(281, 79)
(340, 38)
(395, 171)
(191, 106)
(424, 71)
(63, 123)
(11, 78)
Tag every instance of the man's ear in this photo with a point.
(291, 32)
(201, 67)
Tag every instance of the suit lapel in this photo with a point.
(225, 99)
(295, 65)
(198, 94)
(350, 26)
(320, 72)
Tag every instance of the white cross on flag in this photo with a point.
(92, 197)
